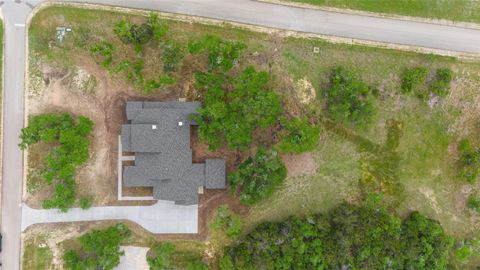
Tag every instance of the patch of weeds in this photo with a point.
(228, 221)
(85, 202)
(89, 85)
(468, 162)
(473, 202)
(413, 79)
(441, 84)
(37, 255)
(103, 52)
(222, 54)
(171, 55)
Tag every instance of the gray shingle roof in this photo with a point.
(159, 134)
(215, 173)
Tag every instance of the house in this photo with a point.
(158, 133)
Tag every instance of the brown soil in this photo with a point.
(298, 165)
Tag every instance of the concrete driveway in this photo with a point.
(162, 217)
(135, 258)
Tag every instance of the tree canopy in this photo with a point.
(70, 151)
(347, 237)
(99, 249)
(233, 108)
(257, 177)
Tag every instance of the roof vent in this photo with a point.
(154, 126)
(180, 124)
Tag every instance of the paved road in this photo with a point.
(322, 22)
(15, 16)
(162, 217)
(244, 11)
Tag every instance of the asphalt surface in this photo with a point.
(15, 12)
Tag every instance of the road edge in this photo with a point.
(444, 22)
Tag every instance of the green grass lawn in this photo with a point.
(455, 10)
(426, 169)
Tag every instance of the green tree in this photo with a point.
(349, 99)
(298, 136)
(364, 237)
(161, 258)
(424, 243)
(227, 220)
(257, 177)
(233, 115)
(99, 249)
(71, 151)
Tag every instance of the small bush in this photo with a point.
(348, 99)
(172, 54)
(85, 203)
(222, 54)
(473, 203)
(161, 258)
(441, 83)
(140, 34)
(469, 161)
(298, 136)
(413, 78)
(197, 265)
(227, 220)
(257, 177)
(104, 52)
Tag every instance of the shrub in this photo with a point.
(161, 258)
(413, 78)
(222, 54)
(232, 115)
(257, 177)
(197, 265)
(441, 83)
(99, 249)
(348, 98)
(172, 54)
(298, 136)
(469, 161)
(85, 203)
(140, 34)
(228, 221)
(473, 203)
(424, 243)
(348, 237)
(104, 52)
(61, 162)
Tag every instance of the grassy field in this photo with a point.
(431, 129)
(455, 10)
(37, 256)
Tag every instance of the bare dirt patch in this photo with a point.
(300, 165)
